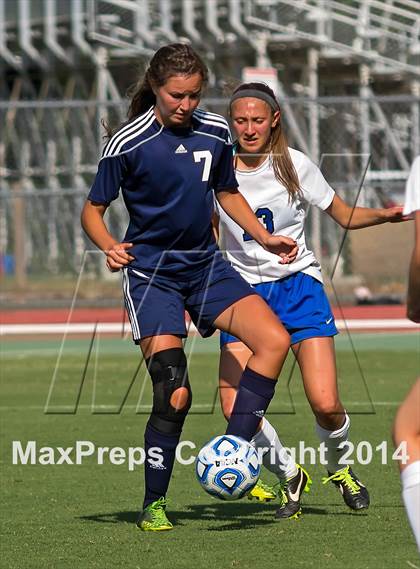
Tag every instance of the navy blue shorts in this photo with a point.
(300, 303)
(156, 305)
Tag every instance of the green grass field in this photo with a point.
(67, 516)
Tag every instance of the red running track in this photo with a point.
(87, 315)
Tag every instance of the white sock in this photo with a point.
(275, 457)
(410, 478)
(332, 441)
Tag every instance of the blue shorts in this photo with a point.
(301, 305)
(156, 305)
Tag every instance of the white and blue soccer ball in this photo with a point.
(227, 467)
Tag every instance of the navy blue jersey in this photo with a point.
(167, 177)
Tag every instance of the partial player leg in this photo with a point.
(167, 366)
(153, 306)
(233, 359)
(407, 429)
(250, 320)
(316, 359)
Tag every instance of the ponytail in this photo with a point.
(142, 98)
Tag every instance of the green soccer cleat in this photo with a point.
(153, 517)
(291, 491)
(262, 492)
(354, 493)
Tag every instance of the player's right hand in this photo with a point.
(117, 256)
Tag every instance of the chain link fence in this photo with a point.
(50, 149)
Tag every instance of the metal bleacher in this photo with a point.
(383, 33)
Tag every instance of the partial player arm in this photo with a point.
(358, 217)
(95, 228)
(413, 295)
(215, 221)
(237, 208)
(105, 189)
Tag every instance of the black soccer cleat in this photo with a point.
(290, 493)
(354, 493)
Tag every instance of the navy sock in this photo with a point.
(157, 473)
(254, 395)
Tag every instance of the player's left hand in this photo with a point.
(285, 247)
(395, 214)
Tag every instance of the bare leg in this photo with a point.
(407, 428)
(233, 359)
(253, 322)
(407, 424)
(316, 359)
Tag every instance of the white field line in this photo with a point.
(57, 408)
(115, 327)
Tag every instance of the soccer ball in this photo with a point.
(227, 467)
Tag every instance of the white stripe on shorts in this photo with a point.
(131, 310)
(142, 275)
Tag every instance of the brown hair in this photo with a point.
(283, 167)
(169, 60)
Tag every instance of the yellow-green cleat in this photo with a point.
(355, 494)
(290, 493)
(262, 492)
(153, 517)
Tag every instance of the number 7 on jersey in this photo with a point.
(207, 157)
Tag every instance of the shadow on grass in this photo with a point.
(331, 511)
(227, 516)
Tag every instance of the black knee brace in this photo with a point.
(168, 370)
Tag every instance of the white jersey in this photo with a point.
(412, 189)
(271, 204)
